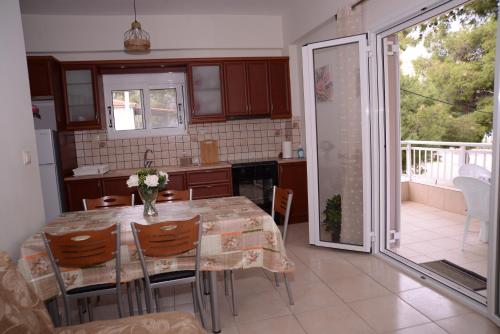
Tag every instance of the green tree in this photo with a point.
(450, 96)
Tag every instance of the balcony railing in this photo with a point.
(438, 162)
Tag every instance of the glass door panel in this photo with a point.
(338, 140)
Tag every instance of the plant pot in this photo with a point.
(148, 197)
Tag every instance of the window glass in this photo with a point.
(164, 109)
(128, 111)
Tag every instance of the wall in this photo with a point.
(242, 139)
(172, 36)
(21, 207)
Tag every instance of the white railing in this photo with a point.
(438, 162)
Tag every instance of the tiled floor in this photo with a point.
(335, 292)
(429, 234)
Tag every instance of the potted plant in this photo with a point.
(148, 181)
(333, 217)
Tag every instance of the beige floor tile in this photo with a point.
(422, 329)
(333, 320)
(395, 280)
(388, 313)
(229, 330)
(471, 323)
(329, 269)
(261, 306)
(310, 296)
(281, 325)
(432, 304)
(357, 288)
(251, 281)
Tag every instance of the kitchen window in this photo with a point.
(141, 105)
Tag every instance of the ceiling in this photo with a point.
(145, 7)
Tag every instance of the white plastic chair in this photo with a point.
(477, 199)
(475, 171)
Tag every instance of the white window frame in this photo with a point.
(145, 82)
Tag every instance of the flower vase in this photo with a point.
(148, 197)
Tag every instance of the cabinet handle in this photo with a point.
(110, 119)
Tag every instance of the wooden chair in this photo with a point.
(84, 249)
(166, 239)
(108, 202)
(282, 203)
(174, 195)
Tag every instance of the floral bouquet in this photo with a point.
(148, 181)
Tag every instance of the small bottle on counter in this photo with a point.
(300, 153)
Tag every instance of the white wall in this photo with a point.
(101, 37)
(21, 207)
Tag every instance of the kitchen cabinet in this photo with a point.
(176, 181)
(43, 72)
(77, 190)
(293, 175)
(209, 183)
(246, 88)
(118, 186)
(206, 92)
(279, 88)
(82, 94)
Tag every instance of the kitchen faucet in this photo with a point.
(148, 162)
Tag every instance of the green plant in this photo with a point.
(333, 214)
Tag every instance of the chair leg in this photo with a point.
(157, 299)
(206, 288)
(466, 229)
(119, 300)
(148, 293)
(80, 311)
(199, 302)
(129, 299)
(88, 304)
(138, 296)
(276, 280)
(233, 295)
(67, 311)
(288, 289)
(226, 286)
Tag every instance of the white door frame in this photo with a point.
(311, 140)
(380, 170)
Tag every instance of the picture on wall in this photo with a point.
(323, 84)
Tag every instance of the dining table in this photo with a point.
(236, 235)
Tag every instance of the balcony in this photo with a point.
(433, 210)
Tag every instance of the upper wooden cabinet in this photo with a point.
(82, 93)
(279, 87)
(44, 74)
(206, 98)
(246, 88)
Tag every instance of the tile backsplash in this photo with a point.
(239, 139)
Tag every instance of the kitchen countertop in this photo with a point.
(173, 169)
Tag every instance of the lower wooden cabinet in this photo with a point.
(77, 190)
(293, 175)
(207, 183)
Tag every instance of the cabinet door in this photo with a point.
(257, 88)
(78, 190)
(212, 190)
(279, 88)
(40, 73)
(235, 89)
(177, 181)
(209, 176)
(293, 175)
(118, 186)
(81, 97)
(205, 83)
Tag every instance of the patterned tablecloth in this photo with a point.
(237, 234)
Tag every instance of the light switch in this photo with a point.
(26, 157)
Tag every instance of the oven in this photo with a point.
(255, 180)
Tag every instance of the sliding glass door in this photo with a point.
(337, 134)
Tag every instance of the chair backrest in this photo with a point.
(476, 171)
(167, 238)
(84, 248)
(108, 202)
(174, 195)
(477, 196)
(282, 203)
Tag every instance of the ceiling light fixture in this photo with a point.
(135, 39)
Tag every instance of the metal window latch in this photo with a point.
(391, 48)
(179, 113)
(110, 119)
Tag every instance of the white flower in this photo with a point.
(133, 181)
(151, 181)
(163, 174)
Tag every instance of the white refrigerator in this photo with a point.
(46, 140)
